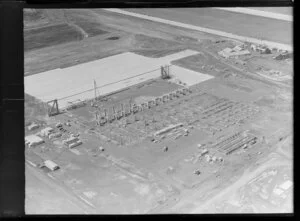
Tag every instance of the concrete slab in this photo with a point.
(189, 77)
(111, 74)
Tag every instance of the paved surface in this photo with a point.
(261, 13)
(111, 74)
(259, 30)
(279, 10)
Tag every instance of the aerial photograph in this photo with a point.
(158, 110)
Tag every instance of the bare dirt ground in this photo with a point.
(134, 174)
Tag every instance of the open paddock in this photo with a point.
(51, 35)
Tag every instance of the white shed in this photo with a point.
(33, 140)
(46, 131)
(51, 165)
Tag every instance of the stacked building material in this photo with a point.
(167, 129)
(229, 52)
(75, 144)
(54, 135)
(72, 142)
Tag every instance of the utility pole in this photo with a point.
(95, 89)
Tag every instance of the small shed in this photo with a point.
(204, 152)
(46, 131)
(33, 126)
(33, 140)
(51, 165)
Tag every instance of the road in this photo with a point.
(279, 10)
(254, 29)
(262, 13)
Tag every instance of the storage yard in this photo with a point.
(140, 117)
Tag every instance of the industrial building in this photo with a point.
(33, 140)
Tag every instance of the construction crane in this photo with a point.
(52, 108)
(93, 103)
(95, 89)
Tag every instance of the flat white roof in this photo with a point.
(33, 138)
(111, 74)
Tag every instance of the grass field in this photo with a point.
(91, 28)
(87, 21)
(49, 36)
(235, 23)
